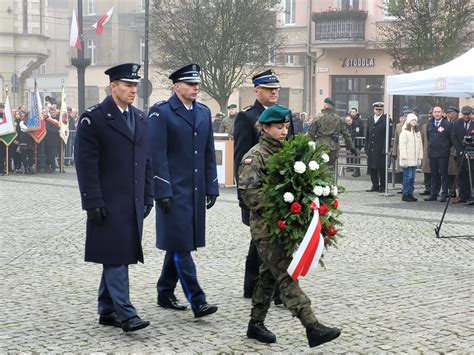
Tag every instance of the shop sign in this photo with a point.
(322, 70)
(358, 62)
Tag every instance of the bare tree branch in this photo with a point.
(229, 39)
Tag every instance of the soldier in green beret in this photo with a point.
(274, 123)
(326, 129)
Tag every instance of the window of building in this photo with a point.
(42, 69)
(91, 7)
(347, 5)
(91, 50)
(288, 12)
(290, 59)
(142, 49)
(25, 16)
(357, 91)
(271, 56)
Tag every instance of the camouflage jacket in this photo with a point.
(251, 175)
(326, 129)
(227, 125)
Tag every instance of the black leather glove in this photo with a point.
(96, 215)
(353, 151)
(147, 210)
(164, 204)
(210, 201)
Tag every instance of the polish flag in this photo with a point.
(306, 258)
(99, 25)
(74, 40)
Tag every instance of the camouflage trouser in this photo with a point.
(272, 274)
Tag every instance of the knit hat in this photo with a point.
(411, 117)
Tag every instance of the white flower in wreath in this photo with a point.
(325, 157)
(326, 190)
(318, 190)
(313, 165)
(288, 197)
(334, 191)
(312, 145)
(299, 167)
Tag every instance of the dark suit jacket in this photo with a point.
(439, 139)
(459, 132)
(375, 141)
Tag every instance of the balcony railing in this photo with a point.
(340, 25)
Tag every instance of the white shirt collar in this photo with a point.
(121, 109)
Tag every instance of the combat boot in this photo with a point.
(257, 330)
(319, 334)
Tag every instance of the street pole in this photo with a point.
(145, 57)
(80, 63)
(308, 85)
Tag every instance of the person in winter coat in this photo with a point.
(410, 149)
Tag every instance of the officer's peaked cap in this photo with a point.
(124, 72)
(378, 104)
(266, 79)
(452, 109)
(275, 114)
(187, 74)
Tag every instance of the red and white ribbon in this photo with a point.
(306, 258)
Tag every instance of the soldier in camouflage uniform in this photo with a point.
(274, 122)
(326, 129)
(227, 125)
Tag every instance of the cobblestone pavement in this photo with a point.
(391, 286)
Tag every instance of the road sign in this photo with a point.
(145, 88)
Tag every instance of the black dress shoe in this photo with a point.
(431, 198)
(382, 189)
(356, 174)
(425, 193)
(319, 334)
(204, 310)
(133, 324)
(257, 330)
(110, 319)
(373, 189)
(442, 199)
(172, 303)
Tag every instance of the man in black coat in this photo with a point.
(439, 146)
(116, 184)
(246, 135)
(357, 132)
(375, 146)
(462, 128)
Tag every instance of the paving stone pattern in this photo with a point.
(391, 285)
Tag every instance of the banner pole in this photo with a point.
(7, 160)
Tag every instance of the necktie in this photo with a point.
(466, 126)
(128, 120)
(437, 123)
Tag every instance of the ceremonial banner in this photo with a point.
(63, 119)
(7, 126)
(35, 123)
(306, 258)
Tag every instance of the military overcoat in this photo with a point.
(114, 171)
(184, 169)
(375, 142)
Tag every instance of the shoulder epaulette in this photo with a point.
(245, 109)
(93, 108)
(160, 103)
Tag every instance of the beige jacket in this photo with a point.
(410, 148)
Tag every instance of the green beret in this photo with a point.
(329, 101)
(275, 114)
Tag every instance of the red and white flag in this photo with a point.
(306, 258)
(99, 25)
(74, 40)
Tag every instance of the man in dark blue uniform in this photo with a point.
(185, 178)
(439, 149)
(375, 146)
(267, 89)
(116, 184)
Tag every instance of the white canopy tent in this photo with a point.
(452, 79)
